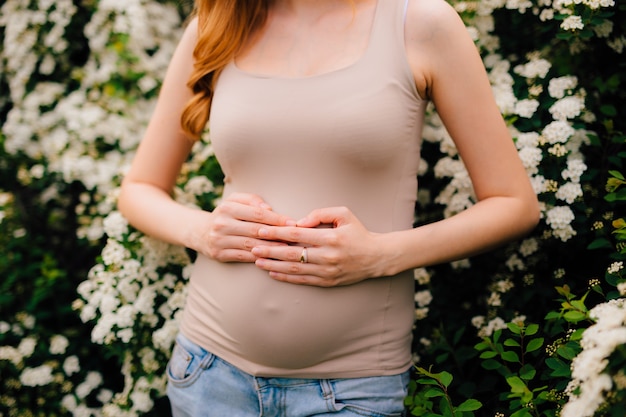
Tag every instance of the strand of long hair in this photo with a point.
(223, 28)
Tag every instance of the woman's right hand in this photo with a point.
(228, 233)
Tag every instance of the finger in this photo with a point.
(334, 216)
(248, 199)
(255, 214)
(284, 253)
(296, 273)
(302, 236)
(234, 255)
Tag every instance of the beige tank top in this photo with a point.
(350, 138)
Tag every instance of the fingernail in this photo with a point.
(291, 223)
(255, 251)
(263, 232)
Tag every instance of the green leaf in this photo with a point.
(531, 329)
(579, 305)
(445, 378)
(511, 342)
(522, 413)
(491, 364)
(574, 316)
(469, 405)
(566, 352)
(552, 315)
(527, 372)
(534, 344)
(488, 354)
(510, 356)
(608, 110)
(481, 346)
(560, 368)
(617, 174)
(433, 392)
(514, 328)
(516, 384)
(600, 243)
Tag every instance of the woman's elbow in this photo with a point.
(531, 214)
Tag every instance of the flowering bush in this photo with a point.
(542, 317)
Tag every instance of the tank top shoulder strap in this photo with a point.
(389, 21)
(388, 41)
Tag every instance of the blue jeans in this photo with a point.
(203, 385)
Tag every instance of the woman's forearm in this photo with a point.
(482, 227)
(152, 211)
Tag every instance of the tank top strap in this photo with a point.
(388, 43)
(388, 27)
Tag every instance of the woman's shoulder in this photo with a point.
(432, 20)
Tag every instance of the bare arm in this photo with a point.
(145, 200)
(446, 62)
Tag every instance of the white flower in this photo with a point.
(27, 346)
(148, 360)
(69, 403)
(557, 87)
(621, 287)
(4, 326)
(527, 140)
(104, 396)
(559, 219)
(503, 285)
(58, 344)
(493, 325)
(494, 300)
(38, 376)
(125, 316)
(575, 168)
(199, 185)
(9, 353)
(141, 401)
(598, 342)
(421, 313)
(529, 246)
(164, 337)
(569, 192)
(114, 253)
(572, 23)
(567, 108)
(526, 108)
(615, 267)
(515, 263)
(421, 275)
(71, 365)
(92, 381)
(535, 68)
(478, 321)
(115, 225)
(423, 298)
(125, 335)
(531, 157)
(557, 132)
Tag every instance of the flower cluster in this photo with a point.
(590, 383)
(38, 368)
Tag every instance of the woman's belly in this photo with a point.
(239, 313)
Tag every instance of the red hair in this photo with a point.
(223, 28)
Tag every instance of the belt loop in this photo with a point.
(328, 394)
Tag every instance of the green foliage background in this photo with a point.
(520, 370)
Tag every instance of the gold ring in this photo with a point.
(303, 257)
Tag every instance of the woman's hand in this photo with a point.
(342, 253)
(229, 233)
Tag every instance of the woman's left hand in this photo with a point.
(342, 253)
